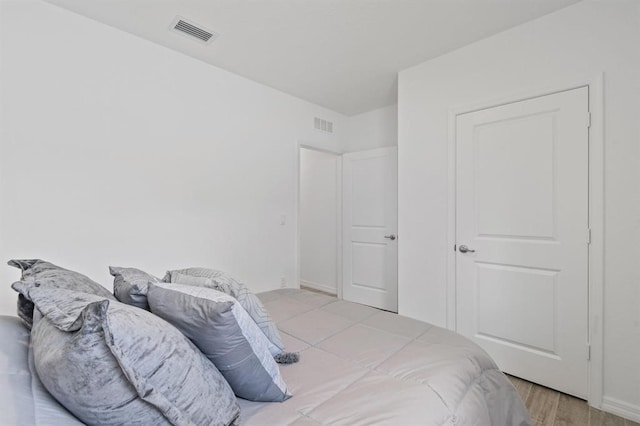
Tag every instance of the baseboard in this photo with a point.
(621, 408)
(320, 287)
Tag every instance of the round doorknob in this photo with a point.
(465, 249)
(391, 237)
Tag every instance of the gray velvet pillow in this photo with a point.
(223, 282)
(220, 327)
(50, 275)
(46, 410)
(110, 363)
(130, 285)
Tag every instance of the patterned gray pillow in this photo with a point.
(130, 285)
(110, 363)
(50, 275)
(225, 283)
(225, 333)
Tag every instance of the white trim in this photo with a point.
(450, 307)
(621, 408)
(596, 212)
(596, 248)
(298, 279)
(296, 217)
(316, 286)
(313, 148)
(339, 226)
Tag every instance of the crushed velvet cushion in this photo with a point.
(130, 285)
(220, 327)
(46, 410)
(50, 275)
(110, 363)
(223, 282)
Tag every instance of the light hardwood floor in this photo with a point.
(551, 408)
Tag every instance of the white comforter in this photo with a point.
(359, 365)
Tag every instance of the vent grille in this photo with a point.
(193, 30)
(323, 125)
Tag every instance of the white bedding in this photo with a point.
(359, 365)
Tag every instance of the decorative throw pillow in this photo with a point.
(225, 283)
(179, 278)
(25, 310)
(220, 327)
(50, 275)
(46, 409)
(110, 363)
(130, 285)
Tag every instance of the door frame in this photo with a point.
(296, 219)
(595, 289)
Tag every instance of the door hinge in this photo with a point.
(588, 235)
(588, 119)
(588, 352)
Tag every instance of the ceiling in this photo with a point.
(341, 54)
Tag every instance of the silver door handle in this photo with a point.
(391, 237)
(465, 249)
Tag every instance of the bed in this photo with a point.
(358, 365)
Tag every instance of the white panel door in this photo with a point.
(522, 236)
(370, 222)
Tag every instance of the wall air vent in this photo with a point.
(193, 30)
(323, 125)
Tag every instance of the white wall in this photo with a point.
(583, 40)
(116, 151)
(372, 129)
(318, 220)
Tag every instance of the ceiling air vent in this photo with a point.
(323, 125)
(193, 30)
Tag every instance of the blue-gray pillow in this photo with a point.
(130, 285)
(110, 363)
(220, 327)
(223, 282)
(50, 275)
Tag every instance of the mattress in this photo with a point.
(362, 366)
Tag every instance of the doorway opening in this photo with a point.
(319, 220)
